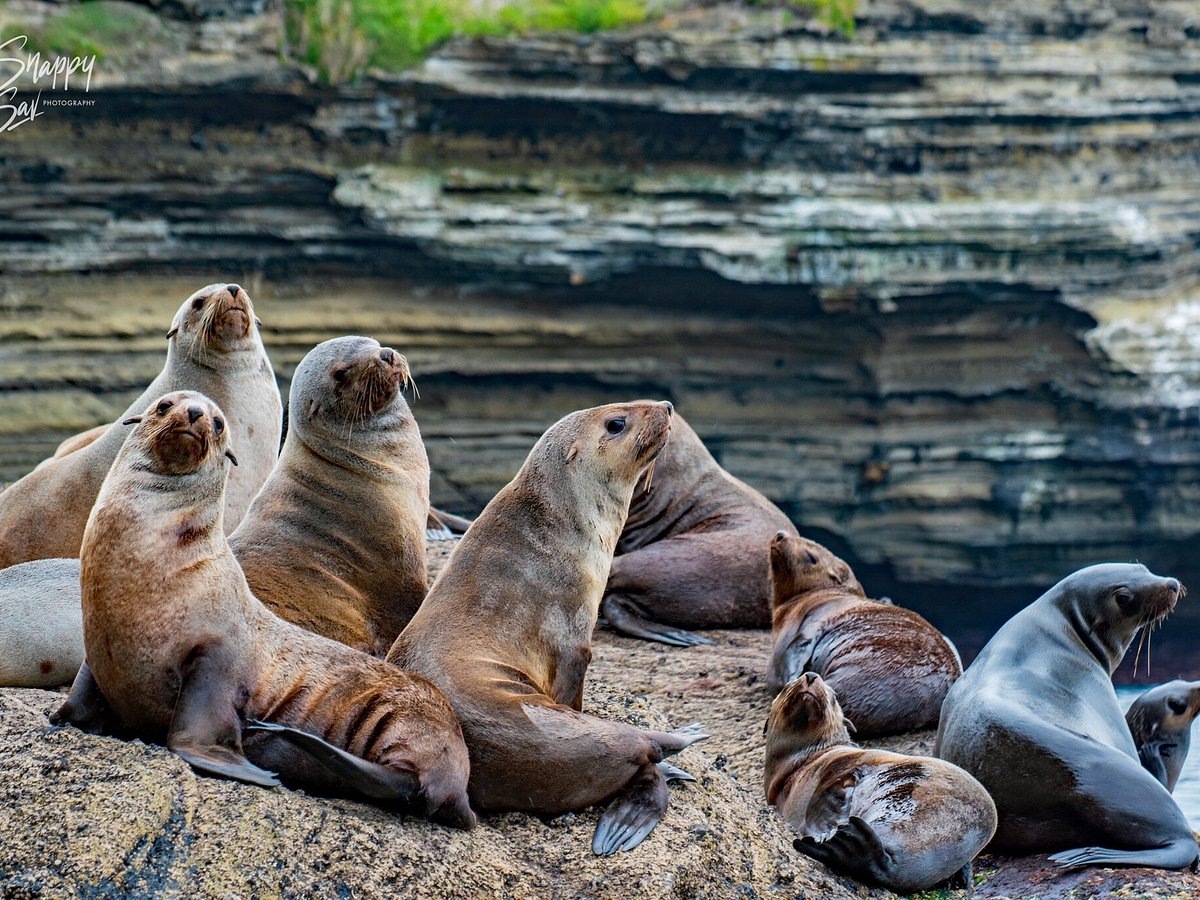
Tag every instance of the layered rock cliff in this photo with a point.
(930, 288)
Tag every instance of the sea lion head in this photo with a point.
(1107, 604)
(615, 445)
(1165, 714)
(347, 386)
(217, 320)
(799, 565)
(806, 716)
(181, 433)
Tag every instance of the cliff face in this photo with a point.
(931, 289)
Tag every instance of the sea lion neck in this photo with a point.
(370, 450)
(684, 464)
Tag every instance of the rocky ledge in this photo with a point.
(931, 288)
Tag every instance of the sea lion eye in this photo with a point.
(198, 302)
(218, 426)
(1124, 598)
(1177, 706)
(164, 406)
(615, 426)
(339, 375)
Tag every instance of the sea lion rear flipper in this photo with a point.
(623, 618)
(674, 773)
(440, 519)
(671, 742)
(633, 814)
(853, 848)
(85, 707)
(206, 730)
(1152, 756)
(368, 778)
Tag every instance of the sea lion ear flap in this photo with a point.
(174, 331)
(572, 451)
(838, 577)
(132, 420)
(232, 458)
(313, 407)
(849, 725)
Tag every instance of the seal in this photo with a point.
(889, 666)
(213, 347)
(77, 442)
(335, 540)
(506, 631)
(902, 822)
(1160, 722)
(1036, 720)
(692, 550)
(41, 626)
(179, 651)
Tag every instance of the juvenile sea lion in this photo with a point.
(1160, 722)
(890, 668)
(77, 441)
(1036, 720)
(692, 550)
(335, 540)
(506, 631)
(213, 347)
(41, 626)
(903, 822)
(179, 651)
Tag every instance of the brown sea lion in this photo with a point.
(903, 822)
(41, 626)
(179, 651)
(213, 347)
(335, 540)
(1036, 720)
(890, 668)
(77, 442)
(1160, 722)
(692, 550)
(506, 631)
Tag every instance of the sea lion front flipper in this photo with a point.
(796, 659)
(368, 778)
(674, 773)
(853, 848)
(623, 618)
(206, 730)
(1176, 855)
(1153, 757)
(635, 812)
(85, 707)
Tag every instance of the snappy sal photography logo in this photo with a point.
(17, 108)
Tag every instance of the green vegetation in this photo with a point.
(104, 29)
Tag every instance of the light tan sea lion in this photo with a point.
(506, 631)
(1160, 722)
(890, 668)
(335, 541)
(214, 347)
(693, 549)
(903, 822)
(41, 626)
(179, 651)
(1036, 720)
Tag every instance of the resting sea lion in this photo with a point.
(41, 626)
(178, 650)
(1035, 719)
(214, 347)
(890, 668)
(692, 550)
(506, 631)
(335, 541)
(1160, 722)
(903, 822)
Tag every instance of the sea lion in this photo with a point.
(1160, 722)
(179, 651)
(213, 347)
(890, 668)
(506, 631)
(902, 822)
(41, 626)
(691, 553)
(77, 442)
(335, 540)
(1036, 720)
